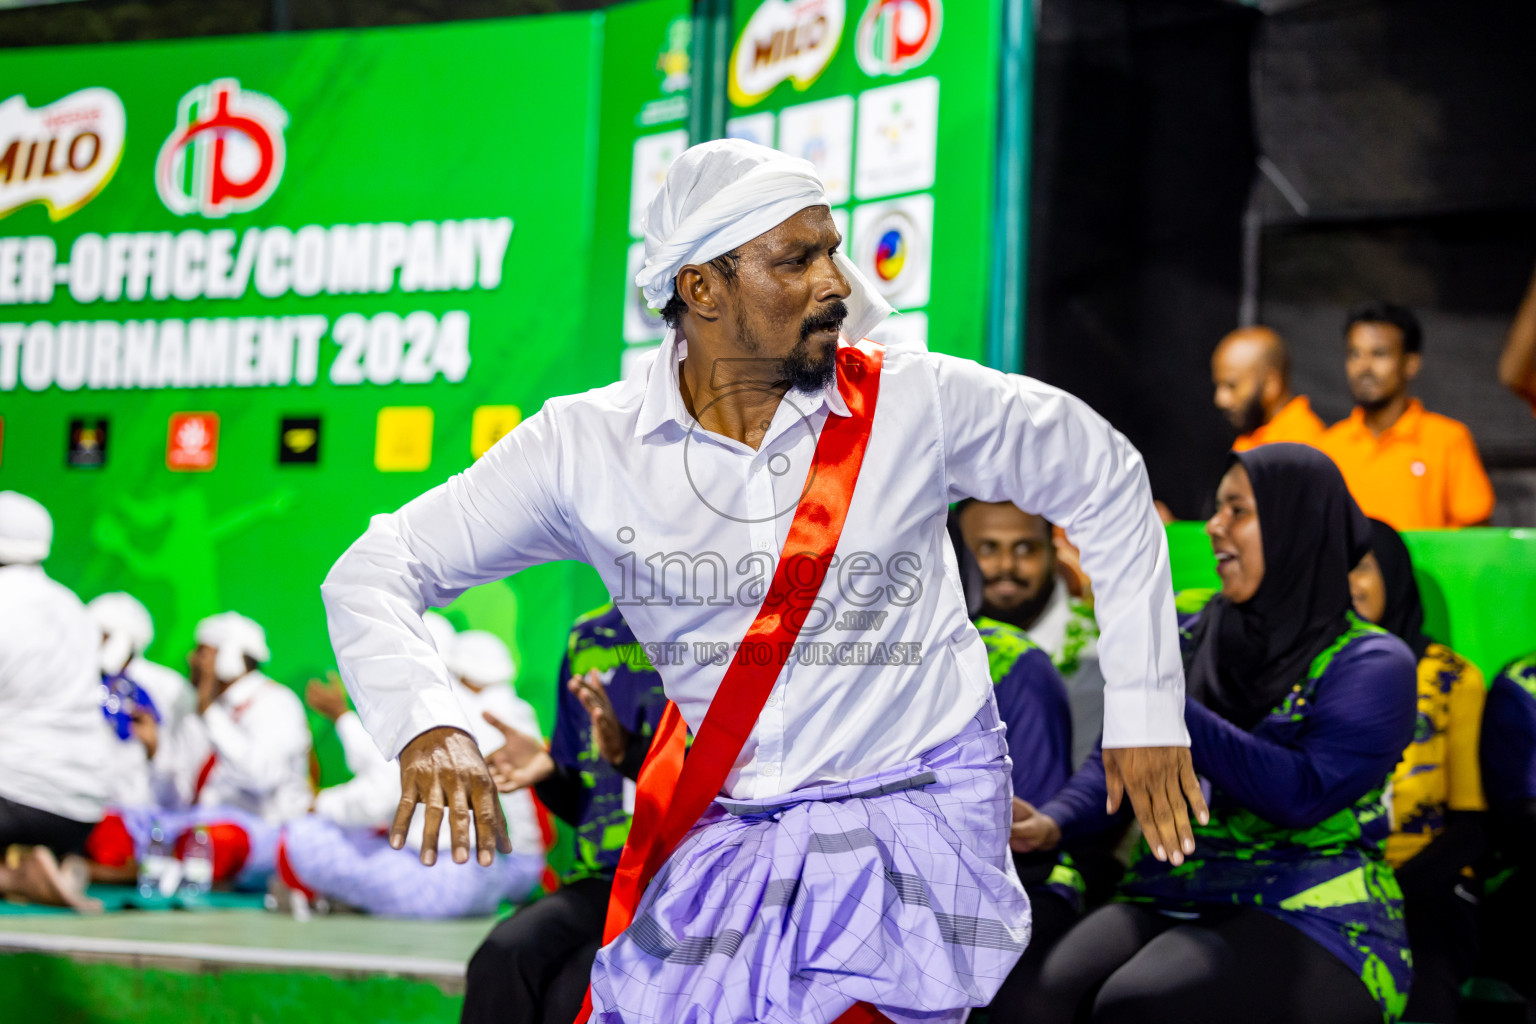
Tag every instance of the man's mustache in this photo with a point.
(829, 319)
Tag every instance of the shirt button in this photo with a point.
(773, 701)
(762, 545)
(769, 769)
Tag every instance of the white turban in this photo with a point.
(440, 630)
(26, 530)
(480, 657)
(126, 627)
(719, 195)
(236, 638)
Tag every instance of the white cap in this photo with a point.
(441, 631)
(120, 613)
(235, 637)
(481, 658)
(26, 530)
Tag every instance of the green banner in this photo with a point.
(255, 290)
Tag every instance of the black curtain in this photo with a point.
(1143, 159)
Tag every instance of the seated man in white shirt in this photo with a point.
(342, 850)
(244, 768)
(53, 738)
(1016, 553)
(149, 707)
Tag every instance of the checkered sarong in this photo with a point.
(897, 890)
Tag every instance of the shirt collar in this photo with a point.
(242, 690)
(1050, 629)
(1407, 425)
(662, 402)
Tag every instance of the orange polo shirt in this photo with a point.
(1422, 473)
(1294, 422)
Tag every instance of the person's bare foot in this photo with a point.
(39, 878)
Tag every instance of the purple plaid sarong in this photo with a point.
(897, 890)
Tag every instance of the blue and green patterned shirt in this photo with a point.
(602, 640)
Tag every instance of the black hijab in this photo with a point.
(1245, 657)
(1404, 614)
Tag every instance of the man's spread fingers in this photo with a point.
(402, 822)
(1186, 834)
(485, 825)
(1114, 784)
(458, 821)
(434, 825)
(1190, 782)
(503, 838)
(1143, 810)
(1162, 815)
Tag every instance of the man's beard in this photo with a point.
(810, 369)
(1374, 405)
(1021, 615)
(1250, 417)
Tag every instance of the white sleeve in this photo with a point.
(496, 518)
(1010, 438)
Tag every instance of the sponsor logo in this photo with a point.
(894, 247)
(895, 36)
(226, 153)
(403, 443)
(298, 440)
(192, 443)
(790, 40)
(87, 443)
(490, 424)
(60, 155)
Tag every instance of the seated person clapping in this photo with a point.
(1286, 909)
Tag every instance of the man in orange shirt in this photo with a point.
(1414, 469)
(1252, 373)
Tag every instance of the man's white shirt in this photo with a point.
(1079, 667)
(138, 780)
(685, 528)
(55, 742)
(258, 736)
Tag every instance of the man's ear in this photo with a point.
(699, 288)
(1271, 390)
(1412, 363)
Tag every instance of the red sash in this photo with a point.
(671, 797)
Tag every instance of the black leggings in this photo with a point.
(1127, 964)
(533, 967)
(32, 826)
(1051, 918)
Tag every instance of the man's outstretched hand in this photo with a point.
(1160, 781)
(612, 738)
(442, 768)
(521, 761)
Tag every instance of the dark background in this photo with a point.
(1196, 161)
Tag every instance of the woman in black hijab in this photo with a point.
(1297, 711)
(1437, 788)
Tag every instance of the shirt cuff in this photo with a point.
(1145, 718)
(428, 709)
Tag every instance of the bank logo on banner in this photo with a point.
(63, 153)
(895, 36)
(226, 153)
(192, 442)
(784, 40)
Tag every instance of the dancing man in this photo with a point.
(767, 506)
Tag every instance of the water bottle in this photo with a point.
(197, 865)
(158, 858)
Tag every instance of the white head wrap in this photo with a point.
(26, 530)
(722, 194)
(126, 627)
(480, 657)
(236, 638)
(440, 630)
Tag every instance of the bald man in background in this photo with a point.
(1251, 370)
